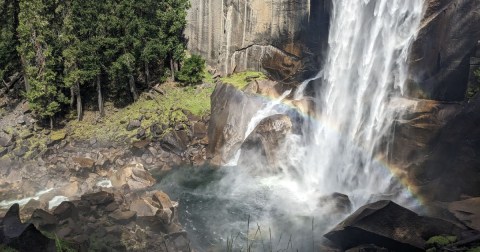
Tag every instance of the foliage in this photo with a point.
(192, 71)
(241, 80)
(440, 241)
(69, 49)
(163, 109)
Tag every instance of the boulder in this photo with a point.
(467, 211)
(6, 141)
(175, 142)
(143, 208)
(231, 113)
(99, 198)
(43, 220)
(162, 199)
(266, 139)
(66, 210)
(83, 162)
(135, 176)
(388, 225)
(123, 217)
(20, 236)
(134, 124)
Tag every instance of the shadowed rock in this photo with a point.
(388, 225)
(22, 236)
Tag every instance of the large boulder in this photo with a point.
(134, 176)
(388, 225)
(231, 112)
(266, 139)
(440, 58)
(285, 38)
(467, 211)
(22, 236)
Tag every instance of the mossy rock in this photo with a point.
(440, 241)
(58, 135)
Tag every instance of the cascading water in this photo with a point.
(366, 68)
(340, 150)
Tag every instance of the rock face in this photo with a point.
(285, 38)
(232, 110)
(440, 58)
(390, 226)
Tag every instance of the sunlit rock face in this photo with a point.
(440, 58)
(284, 38)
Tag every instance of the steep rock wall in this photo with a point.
(284, 38)
(440, 59)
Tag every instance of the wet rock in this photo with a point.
(99, 198)
(20, 236)
(442, 50)
(367, 248)
(66, 210)
(231, 112)
(266, 139)
(134, 124)
(143, 208)
(339, 203)
(467, 211)
(123, 217)
(135, 176)
(162, 199)
(43, 220)
(386, 224)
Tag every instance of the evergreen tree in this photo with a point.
(37, 32)
(9, 59)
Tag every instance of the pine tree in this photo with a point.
(9, 59)
(39, 51)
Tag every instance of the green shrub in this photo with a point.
(440, 241)
(192, 71)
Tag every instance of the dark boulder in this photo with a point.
(175, 142)
(388, 225)
(22, 236)
(99, 198)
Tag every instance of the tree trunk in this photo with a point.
(51, 122)
(79, 103)
(172, 69)
(147, 74)
(100, 97)
(72, 97)
(133, 88)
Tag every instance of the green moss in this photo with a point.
(440, 241)
(241, 80)
(155, 108)
(58, 135)
(476, 249)
(4, 248)
(208, 77)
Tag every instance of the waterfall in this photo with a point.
(366, 69)
(341, 149)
